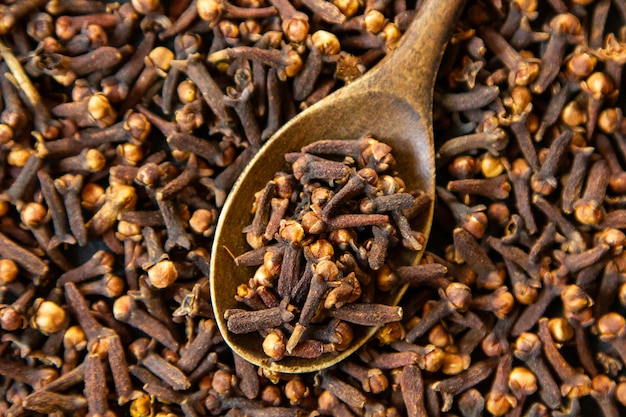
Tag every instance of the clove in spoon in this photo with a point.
(392, 102)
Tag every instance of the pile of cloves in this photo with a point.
(320, 233)
(123, 126)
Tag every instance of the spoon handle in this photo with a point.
(410, 71)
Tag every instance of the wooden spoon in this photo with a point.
(392, 102)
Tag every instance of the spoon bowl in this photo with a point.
(393, 103)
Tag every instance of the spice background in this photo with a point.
(123, 127)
